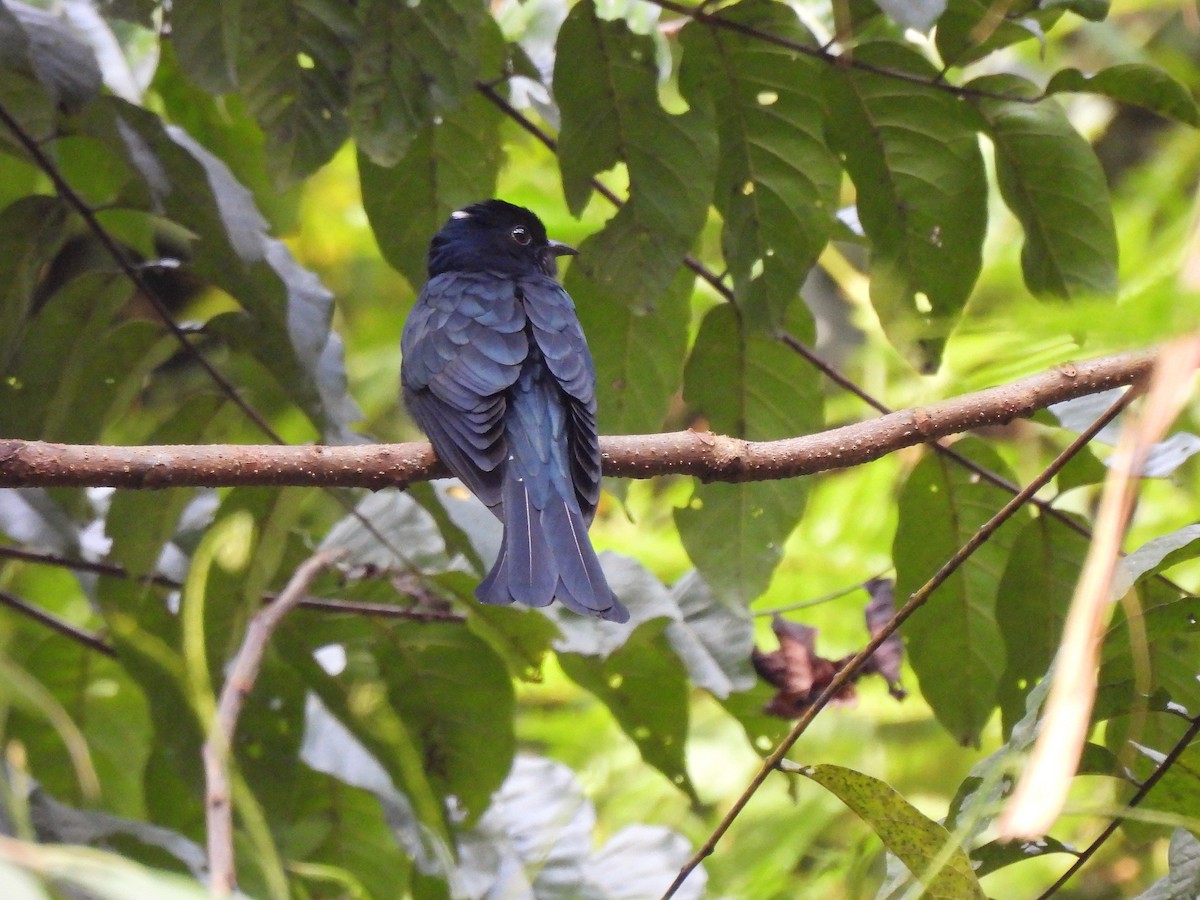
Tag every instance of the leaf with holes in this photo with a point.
(1050, 178)
(643, 684)
(292, 61)
(777, 180)
(916, 840)
(751, 387)
(415, 63)
(913, 155)
(605, 82)
(954, 644)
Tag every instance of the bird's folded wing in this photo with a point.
(462, 347)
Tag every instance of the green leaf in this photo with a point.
(639, 357)
(1031, 606)
(954, 643)
(450, 693)
(32, 230)
(605, 83)
(969, 30)
(995, 855)
(77, 370)
(644, 686)
(751, 387)
(417, 62)
(916, 840)
(445, 167)
(777, 181)
(288, 311)
(1051, 180)
(292, 61)
(205, 34)
(1135, 83)
(913, 155)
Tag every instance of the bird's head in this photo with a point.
(495, 236)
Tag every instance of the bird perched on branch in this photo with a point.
(497, 373)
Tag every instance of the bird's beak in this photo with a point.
(558, 248)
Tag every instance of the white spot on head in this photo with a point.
(460, 214)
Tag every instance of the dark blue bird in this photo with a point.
(497, 373)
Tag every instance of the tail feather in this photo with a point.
(581, 582)
(546, 555)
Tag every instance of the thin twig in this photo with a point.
(321, 604)
(79, 635)
(823, 54)
(218, 801)
(848, 672)
(1139, 795)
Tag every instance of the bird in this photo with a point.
(496, 371)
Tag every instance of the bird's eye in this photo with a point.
(520, 234)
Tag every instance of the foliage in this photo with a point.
(931, 194)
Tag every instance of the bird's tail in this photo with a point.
(546, 555)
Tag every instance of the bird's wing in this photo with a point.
(556, 330)
(462, 348)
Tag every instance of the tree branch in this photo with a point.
(707, 456)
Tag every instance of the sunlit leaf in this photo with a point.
(1051, 180)
(914, 157)
(915, 839)
(777, 181)
(712, 639)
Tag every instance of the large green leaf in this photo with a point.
(416, 62)
(446, 166)
(1051, 180)
(970, 29)
(292, 63)
(606, 86)
(289, 310)
(643, 684)
(777, 181)
(914, 157)
(751, 387)
(919, 842)
(1031, 605)
(639, 356)
(449, 690)
(954, 644)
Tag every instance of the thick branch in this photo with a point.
(707, 456)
